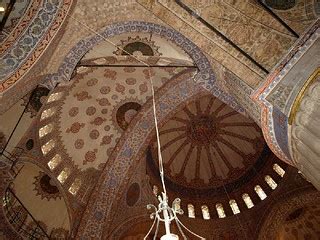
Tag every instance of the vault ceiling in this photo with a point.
(98, 106)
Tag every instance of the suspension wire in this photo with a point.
(228, 196)
(180, 229)
(154, 221)
(238, 219)
(178, 220)
(259, 175)
(107, 40)
(157, 230)
(256, 21)
(161, 168)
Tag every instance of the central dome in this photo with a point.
(207, 145)
(201, 129)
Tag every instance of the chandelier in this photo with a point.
(163, 213)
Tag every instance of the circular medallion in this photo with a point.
(133, 194)
(126, 113)
(45, 187)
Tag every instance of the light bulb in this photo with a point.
(169, 237)
(2, 9)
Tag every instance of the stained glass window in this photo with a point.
(278, 170)
(220, 210)
(47, 113)
(247, 200)
(205, 212)
(75, 186)
(64, 175)
(234, 206)
(262, 195)
(48, 146)
(45, 130)
(53, 163)
(54, 97)
(191, 212)
(270, 182)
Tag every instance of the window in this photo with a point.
(220, 210)
(191, 212)
(155, 190)
(64, 175)
(53, 163)
(247, 200)
(205, 212)
(47, 113)
(262, 195)
(278, 170)
(176, 204)
(47, 147)
(270, 182)
(75, 186)
(6, 199)
(234, 206)
(45, 130)
(54, 97)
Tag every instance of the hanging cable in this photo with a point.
(169, 214)
(161, 169)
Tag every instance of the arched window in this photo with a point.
(262, 195)
(64, 175)
(205, 212)
(47, 113)
(234, 206)
(155, 190)
(270, 182)
(191, 212)
(75, 186)
(176, 205)
(54, 97)
(278, 170)
(6, 199)
(53, 163)
(45, 130)
(220, 210)
(247, 200)
(47, 147)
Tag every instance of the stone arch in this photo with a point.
(205, 76)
